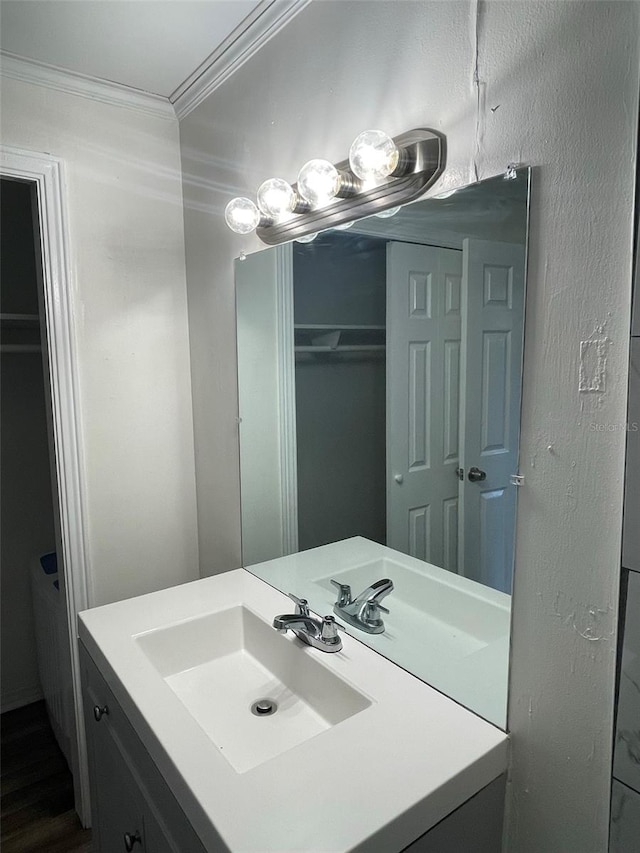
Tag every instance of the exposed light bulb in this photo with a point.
(373, 155)
(308, 238)
(276, 198)
(387, 214)
(318, 182)
(241, 215)
(344, 226)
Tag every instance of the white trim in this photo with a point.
(74, 83)
(266, 20)
(47, 174)
(287, 398)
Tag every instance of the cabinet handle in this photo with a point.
(99, 713)
(130, 841)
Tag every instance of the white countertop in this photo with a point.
(374, 782)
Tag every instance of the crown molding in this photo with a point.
(266, 20)
(73, 83)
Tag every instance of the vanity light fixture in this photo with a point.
(380, 175)
(374, 155)
(277, 199)
(242, 216)
(319, 182)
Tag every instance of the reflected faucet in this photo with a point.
(321, 634)
(363, 612)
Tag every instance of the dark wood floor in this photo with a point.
(37, 788)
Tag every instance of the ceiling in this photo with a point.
(152, 45)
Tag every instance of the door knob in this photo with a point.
(476, 475)
(398, 478)
(130, 841)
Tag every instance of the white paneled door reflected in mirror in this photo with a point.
(379, 375)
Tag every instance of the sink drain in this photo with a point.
(264, 707)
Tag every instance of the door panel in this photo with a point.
(419, 405)
(491, 356)
(451, 400)
(424, 291)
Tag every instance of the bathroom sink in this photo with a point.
(248, 686)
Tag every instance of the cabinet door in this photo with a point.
(116, 803)
(156, 841)
(131, 805)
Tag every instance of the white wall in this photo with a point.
(558, 89)
(127, 263)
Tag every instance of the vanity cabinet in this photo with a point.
(132, 808)
(170, 775)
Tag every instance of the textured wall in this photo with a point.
(126, 244)
(557, 88)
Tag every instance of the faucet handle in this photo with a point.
(372, 611)
(329, 628)
(302, 605)
(344, 593)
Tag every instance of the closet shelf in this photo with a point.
(20, 332)
(347, 348)
(20, 320)
(338, 338)
(337, 326)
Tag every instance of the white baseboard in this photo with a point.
(12, 699)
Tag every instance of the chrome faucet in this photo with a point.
(320, 633)
(364, 610)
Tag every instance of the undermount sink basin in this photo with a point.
(222, 664)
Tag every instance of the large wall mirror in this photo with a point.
(379, 377)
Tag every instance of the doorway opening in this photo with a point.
(44, 553)
(36, 661)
